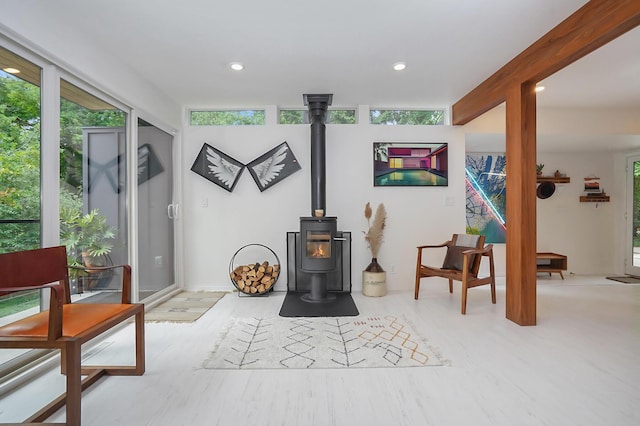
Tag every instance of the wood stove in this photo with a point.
(318, 252)
(319, 256)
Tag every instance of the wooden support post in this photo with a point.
(521, 204)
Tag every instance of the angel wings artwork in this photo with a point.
(273, 166)
(225, 171)
(218, 167)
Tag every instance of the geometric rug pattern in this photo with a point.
(328, 342)
(186, 306)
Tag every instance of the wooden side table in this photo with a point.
(551, 262)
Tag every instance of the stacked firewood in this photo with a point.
(255, 278)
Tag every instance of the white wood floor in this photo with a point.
(579, 366)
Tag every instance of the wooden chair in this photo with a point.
(65, 326)
(461, 263)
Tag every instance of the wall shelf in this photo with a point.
(594, 199)
(563, 179)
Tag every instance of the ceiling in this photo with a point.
(344, 47)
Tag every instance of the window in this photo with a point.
(406, 116)
(20, 227)
(246, 117)
(301, 116)
(92, 185)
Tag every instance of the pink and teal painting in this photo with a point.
(410, 164)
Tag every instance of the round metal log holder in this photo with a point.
(254, 270)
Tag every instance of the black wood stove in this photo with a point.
(319, 256)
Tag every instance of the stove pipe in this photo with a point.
(317, 111)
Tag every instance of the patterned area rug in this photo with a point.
(331, 342)
(184, 307)
(627, 279)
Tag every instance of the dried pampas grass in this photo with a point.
(376, 229)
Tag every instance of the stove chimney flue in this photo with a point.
(318, 105)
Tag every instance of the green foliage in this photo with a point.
(88, 233)
(334, 116)
(292, 116)
(636, 203)
(18, 302)
(415, 117)
(227, 118)
(19, 163)
(341, 116)
(20, 159)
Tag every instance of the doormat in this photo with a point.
(306, 343)
(184, 307)
(342, 306)
(625, 279)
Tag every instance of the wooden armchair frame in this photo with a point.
(66, 326)
(468, 275)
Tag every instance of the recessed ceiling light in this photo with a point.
(399, 66)
(11, 70)
(236, 66)
(539, 88)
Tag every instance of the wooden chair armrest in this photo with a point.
(56, 288)
(94, 268)
(126, 277)
(483, 251)
(445, 244)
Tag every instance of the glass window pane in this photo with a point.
(292, 116)
(20, 117)
(155, 210)
(93, 222)
(301, 116)
(405, 116)
(20, 148)
(245, 117)
(341, 116)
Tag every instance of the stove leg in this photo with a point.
(318, 292)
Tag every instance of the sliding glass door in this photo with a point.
(93, 189)
(156, 210)
(632, 258)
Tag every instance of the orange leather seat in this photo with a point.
(76, 319)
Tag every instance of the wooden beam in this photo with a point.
(590, 27)
(521, 204)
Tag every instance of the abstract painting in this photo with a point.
(218, 167)
(273, 166)
(486, 195)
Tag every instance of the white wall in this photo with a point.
(584, 232)
(416, 215)
(74, 52)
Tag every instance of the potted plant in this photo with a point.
(539, 168)
(89, 240)
(88, 234)
(374, 278)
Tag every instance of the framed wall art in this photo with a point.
(410, 164)
(273, 166)
(486, 195)
(218, 167)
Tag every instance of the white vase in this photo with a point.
(374, 283)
